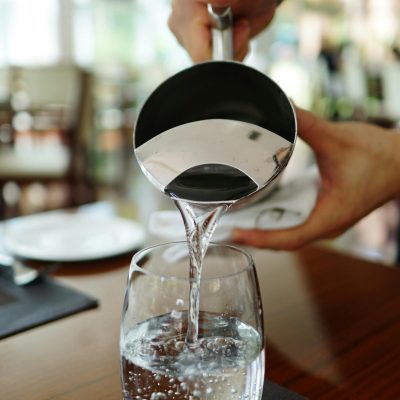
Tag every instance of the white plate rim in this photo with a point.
(23, 225)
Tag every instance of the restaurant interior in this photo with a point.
(74, 75)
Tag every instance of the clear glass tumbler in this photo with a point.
(226, 362)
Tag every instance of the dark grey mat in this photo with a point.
(38, 303)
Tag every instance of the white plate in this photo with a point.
(71, 237)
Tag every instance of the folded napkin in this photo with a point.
(288, 205)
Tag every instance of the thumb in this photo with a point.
(311, 128)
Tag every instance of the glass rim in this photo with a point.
(135, 258)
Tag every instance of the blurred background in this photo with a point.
(74, 73)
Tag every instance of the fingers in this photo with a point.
(198, 43)
(190, 23)
(219, 3)
(241, 39)
(280, 239)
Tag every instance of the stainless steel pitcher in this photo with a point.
(216, 116)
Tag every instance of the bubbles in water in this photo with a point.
(222, 323)
(220, 342)
(180, 302)
(176, 314)
(158, 396)
(172, 369)
(179, 346)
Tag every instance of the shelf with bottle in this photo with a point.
(114, 99)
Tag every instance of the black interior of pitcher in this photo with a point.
(216, 90)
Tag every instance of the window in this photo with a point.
(29, 32)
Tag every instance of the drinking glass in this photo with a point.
(227, 359)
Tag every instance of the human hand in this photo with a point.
(359, 167)
(190, 23)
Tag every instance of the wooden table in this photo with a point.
(332, 324)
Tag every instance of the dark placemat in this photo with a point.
(273, 391)
(42, 301)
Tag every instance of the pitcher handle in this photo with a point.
(222, 33)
